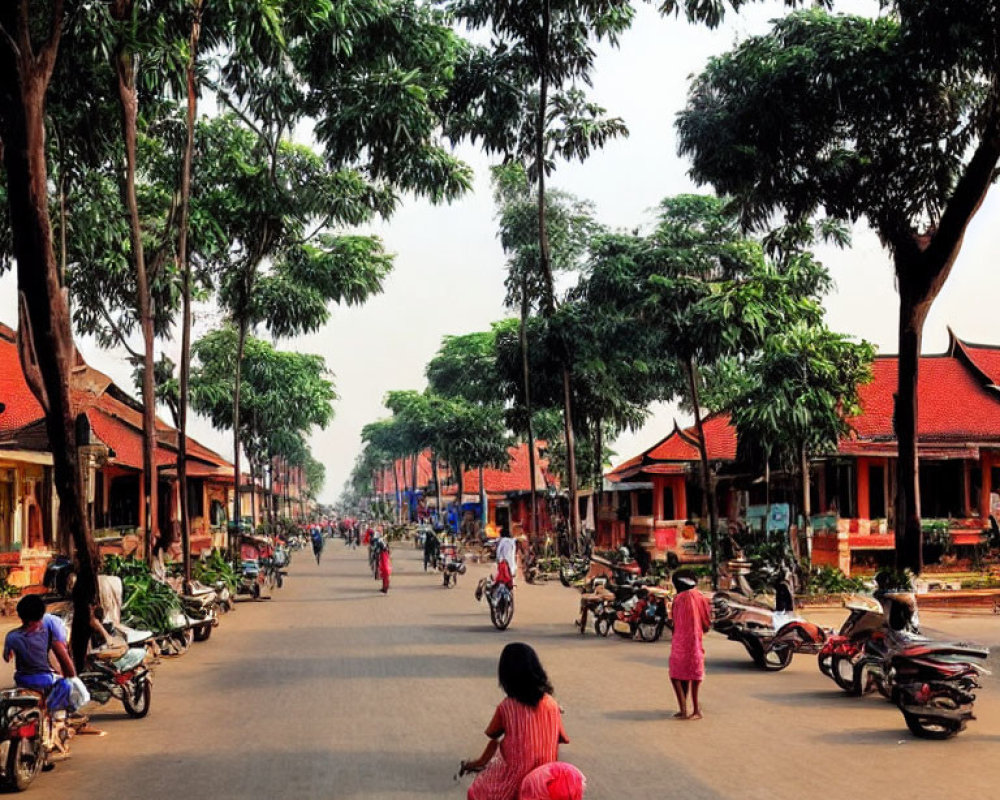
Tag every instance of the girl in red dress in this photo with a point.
(692, 618)
(526, 729)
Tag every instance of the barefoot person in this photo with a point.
(525, 732)
(692, 619)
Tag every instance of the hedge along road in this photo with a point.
(332, 690)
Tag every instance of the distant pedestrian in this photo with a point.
(384, 566)
(432, 549)
(526, 729)
(317, 541)
(692, 619)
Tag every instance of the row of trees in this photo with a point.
(691, 310)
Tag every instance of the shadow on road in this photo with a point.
(641, 715)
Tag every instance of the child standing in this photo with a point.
(526, 729)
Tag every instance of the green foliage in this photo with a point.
(284, 394)
(796, 394)
(147, 603)
(851, 96)
(213, 569)
(830, 580)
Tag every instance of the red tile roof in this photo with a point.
(958, 410)
(21, 407)
(515, 478)
(116, 418)
(953, 402)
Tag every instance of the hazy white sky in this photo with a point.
(449, 269)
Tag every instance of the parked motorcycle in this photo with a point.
(202, 603)
(932, 683)
(23, 726)
(120, 672)
(771, 636)
(643, 615)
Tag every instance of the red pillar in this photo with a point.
(864, 502)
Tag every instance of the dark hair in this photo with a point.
(522, 675)
(505, 532)
(31, 608)
(681, 577)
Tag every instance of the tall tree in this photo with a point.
(29, 45)
(916, 165)
(522, 98)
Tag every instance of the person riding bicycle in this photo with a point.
(40, 633)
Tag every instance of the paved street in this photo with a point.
(333, 691)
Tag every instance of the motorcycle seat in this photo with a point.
(942, 649)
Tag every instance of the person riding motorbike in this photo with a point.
(40, 633)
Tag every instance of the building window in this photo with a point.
(644, 503)
(668, 503)
(196, 506)
(942, 486)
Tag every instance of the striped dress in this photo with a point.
(531, 738)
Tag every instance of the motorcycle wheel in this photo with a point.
(203, 632)
(825, 664)
(777, 658)
(565, 579)
(25, 759)
(137, 699)
(255, 591)
(280, 580)
(842, 672)
(502, 615)
(650, 631)
(602, 625)
(925, 727)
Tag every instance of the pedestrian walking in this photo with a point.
(384, 566)
(432, 548)
(526, 729)
(692, 619)
(317, 541)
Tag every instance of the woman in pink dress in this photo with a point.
(526, 729)
(692, 619)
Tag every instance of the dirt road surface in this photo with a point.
(332, 690)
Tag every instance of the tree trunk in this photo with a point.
(909, 537)
(398, 498)
(806, 501)
(125, 69)
(437, 485)
(571, 488)
(598, 472)
(185, 267)
(412, 505)
(530, 424)
(708, 488)
(483, 506)
(241, 342)
(460, 472)
(45, 337)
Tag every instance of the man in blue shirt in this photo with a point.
(30, 644)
